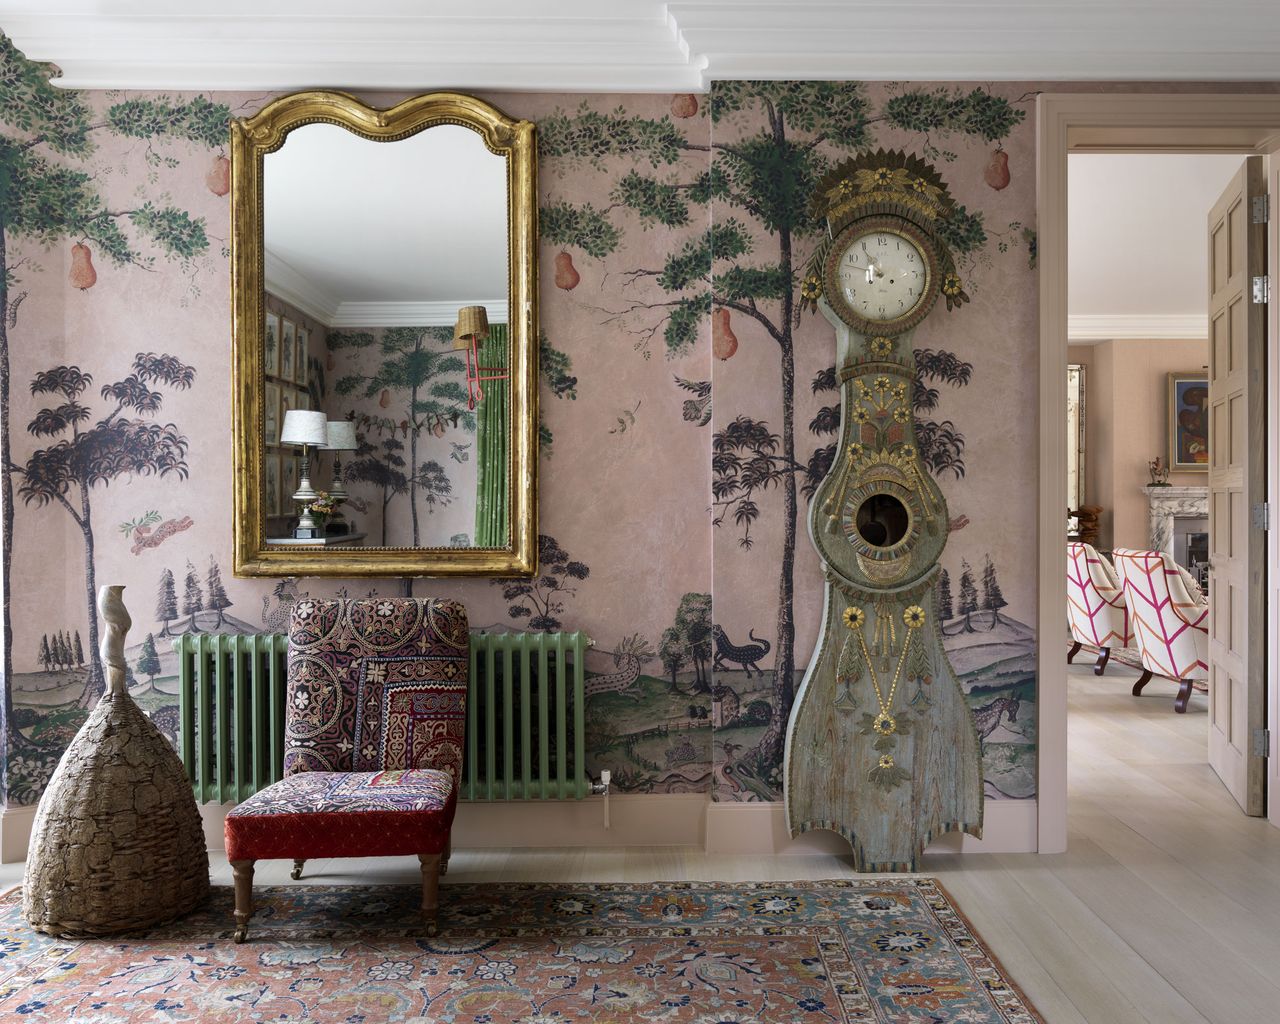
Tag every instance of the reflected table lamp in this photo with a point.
(310, 430)
(340, 437)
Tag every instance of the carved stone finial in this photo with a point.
(116, 616)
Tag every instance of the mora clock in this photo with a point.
(881, 745)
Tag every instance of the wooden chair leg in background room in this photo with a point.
(296, 873)
(1103, 658)
(430, 889)
(1075, 649)
(1142, 681)
(448, 852)
(243, 871)
(1184, 695)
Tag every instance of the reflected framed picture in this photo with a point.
(287, 399)
(301, 399)
(271, 414)
(1189, 421)
(271, 346)
(287, 343)
(288, 483)
(271, 487)
(300, 358)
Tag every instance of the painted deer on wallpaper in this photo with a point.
(630, 656)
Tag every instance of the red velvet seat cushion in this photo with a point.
(309, 815)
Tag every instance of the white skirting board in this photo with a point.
(640, 819)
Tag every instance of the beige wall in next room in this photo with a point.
(1127, 425)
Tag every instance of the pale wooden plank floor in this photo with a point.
(1165, 910)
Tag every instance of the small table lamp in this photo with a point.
(341, 438)
(309, 429)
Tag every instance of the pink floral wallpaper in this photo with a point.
(686, 407)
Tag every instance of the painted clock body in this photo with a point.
(881, 744)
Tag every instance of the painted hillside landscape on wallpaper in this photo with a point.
(686, 406)
(771, 437)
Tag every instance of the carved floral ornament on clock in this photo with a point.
(881, 745)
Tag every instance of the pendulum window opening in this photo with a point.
(882, 520)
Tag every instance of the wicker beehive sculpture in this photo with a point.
(117, 843)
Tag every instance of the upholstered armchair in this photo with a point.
(374, 729)
(1170, 621)
(1096, 610)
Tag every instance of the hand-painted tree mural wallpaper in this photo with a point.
(688, 409)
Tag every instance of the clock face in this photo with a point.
(883, 275)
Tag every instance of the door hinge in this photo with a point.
(1262, 289)
(1262, 515)
(1261, 742)
(1260, 207)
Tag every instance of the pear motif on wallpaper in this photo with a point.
(384, 399)
(567, 276)
(82, 274)
(997, 171)
(219, 177)
(724, 343)
(684, 104)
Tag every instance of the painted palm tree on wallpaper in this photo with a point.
(48, 196)
(781, 138)
(84, 456)
(429, 375)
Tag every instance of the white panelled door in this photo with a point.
(1237, 489)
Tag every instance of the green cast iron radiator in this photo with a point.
(525, 708)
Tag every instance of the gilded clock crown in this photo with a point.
(883, 182)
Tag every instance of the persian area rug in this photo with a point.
(890, 950)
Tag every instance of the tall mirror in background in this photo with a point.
(385, 371)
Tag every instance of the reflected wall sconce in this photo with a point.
(469, 332)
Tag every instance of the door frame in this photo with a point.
(1174, 122)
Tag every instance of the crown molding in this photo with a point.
(412, 314)
(287, 285)
(636, 45)
(1174, 327)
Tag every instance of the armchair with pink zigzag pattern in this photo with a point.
(1170, 620)
(1096, 609)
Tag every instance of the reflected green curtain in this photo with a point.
(493, 439)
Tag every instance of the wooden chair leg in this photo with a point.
(1103, 658)
(243, 871)
(448, 852)
(1184, 695)
(1142, 681)
(430, 889)
(296, 873)
(1075, 649)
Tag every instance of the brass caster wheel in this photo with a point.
(296, 873)
(241, 934)
(433, 929)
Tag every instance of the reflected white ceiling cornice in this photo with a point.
(1088, 329)
(637, 45)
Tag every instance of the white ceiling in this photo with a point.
(1137, 254)
(351, 222)
(636, 45)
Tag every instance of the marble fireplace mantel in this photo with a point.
(1170, 503)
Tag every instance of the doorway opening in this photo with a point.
(1246, 648)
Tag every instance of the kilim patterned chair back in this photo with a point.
(376, 684)
(1170, 622)
(1096, 610)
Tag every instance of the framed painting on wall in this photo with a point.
(271, 470)
(1189, 421)
(287, 342)
(300, 358)
(271, 346)
(271, 414)
(288, 483)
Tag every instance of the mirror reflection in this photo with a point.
(386, 355)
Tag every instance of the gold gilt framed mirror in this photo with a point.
(384, 300)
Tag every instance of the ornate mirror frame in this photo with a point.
(252, 139)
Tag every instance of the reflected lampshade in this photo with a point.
(341, 436)
(304, 426)
(473, 323)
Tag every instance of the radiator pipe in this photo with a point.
(601, 788)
